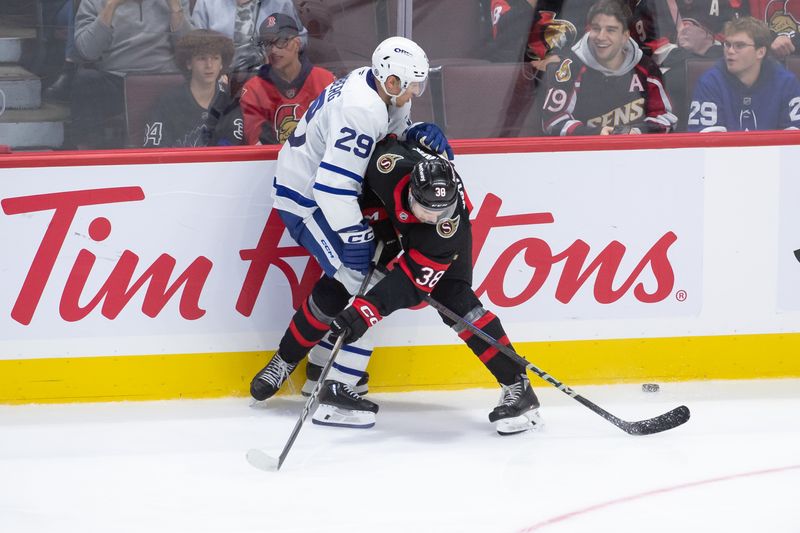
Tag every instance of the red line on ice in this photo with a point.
(654, 492)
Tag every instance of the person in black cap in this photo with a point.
(273, 101)
(698, 30)
(240, 20)
(699, 26)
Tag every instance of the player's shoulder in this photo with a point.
(358, 97)
(392, 156)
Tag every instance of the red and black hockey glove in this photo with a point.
(354, 321)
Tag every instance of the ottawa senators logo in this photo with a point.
(558, 33)
(564, 73)
(778, 15)
(387, 162)
(447, 228)
(286, 120)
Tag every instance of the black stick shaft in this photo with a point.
(663, 422)
(312, 401)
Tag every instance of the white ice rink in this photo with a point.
(432, 463)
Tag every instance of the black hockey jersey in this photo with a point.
(177, 120)
(582, 96)
(430, 251)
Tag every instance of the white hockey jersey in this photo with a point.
(322, 164)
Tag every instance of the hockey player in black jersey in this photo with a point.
(423, 199)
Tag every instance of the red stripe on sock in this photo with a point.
(487, 356)
(491, 351)
(302, 341)
(485, 319)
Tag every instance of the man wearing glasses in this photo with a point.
(746, 90)
(273, 101)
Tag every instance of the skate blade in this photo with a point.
(328, 415)
(262, 460)
(308, 388)
(530, 421)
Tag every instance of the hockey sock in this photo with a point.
(352, 360)
(311, 321)
(502, 368)
(304, 331)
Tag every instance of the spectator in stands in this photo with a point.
(63, 20)
(782, 19)
(119, 37)
(605, 84)
(701, 21)
(273, 101)
(746, 90)
(224, 125)
(240, 20)
(560, 23)
(178, 117)
(511, 24)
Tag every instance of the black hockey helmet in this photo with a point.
(433, 186)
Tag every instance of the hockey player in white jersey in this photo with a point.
(316, 188)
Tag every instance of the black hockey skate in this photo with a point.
(340, 406)
(518, 408)
(312, 376)
(267, 382)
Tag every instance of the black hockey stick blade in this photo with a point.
(676, 417)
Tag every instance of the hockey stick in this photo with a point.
(657, 424)
(264, 461)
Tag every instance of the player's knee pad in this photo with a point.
(328, 298)
(487, 322)
(457, 296)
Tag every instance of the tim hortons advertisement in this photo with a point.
(187, 258)
(788, 260)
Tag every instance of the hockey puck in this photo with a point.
(650, 387)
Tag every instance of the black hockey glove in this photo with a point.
(432, 137)
(355, 320)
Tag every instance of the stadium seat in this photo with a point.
(793, 64)
(141, 93)
(491, 100)
(343, 30)
(694, 69)
(450, 28)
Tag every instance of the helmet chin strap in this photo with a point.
(392, 98)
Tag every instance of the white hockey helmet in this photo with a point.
(401, 57)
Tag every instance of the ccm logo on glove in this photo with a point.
(354, 321)
(368, 315)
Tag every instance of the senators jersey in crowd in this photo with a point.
(431, 251)
(782, 17)
(560, 23)
(583, 96)
(271, 107)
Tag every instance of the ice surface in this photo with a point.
(432, 463)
